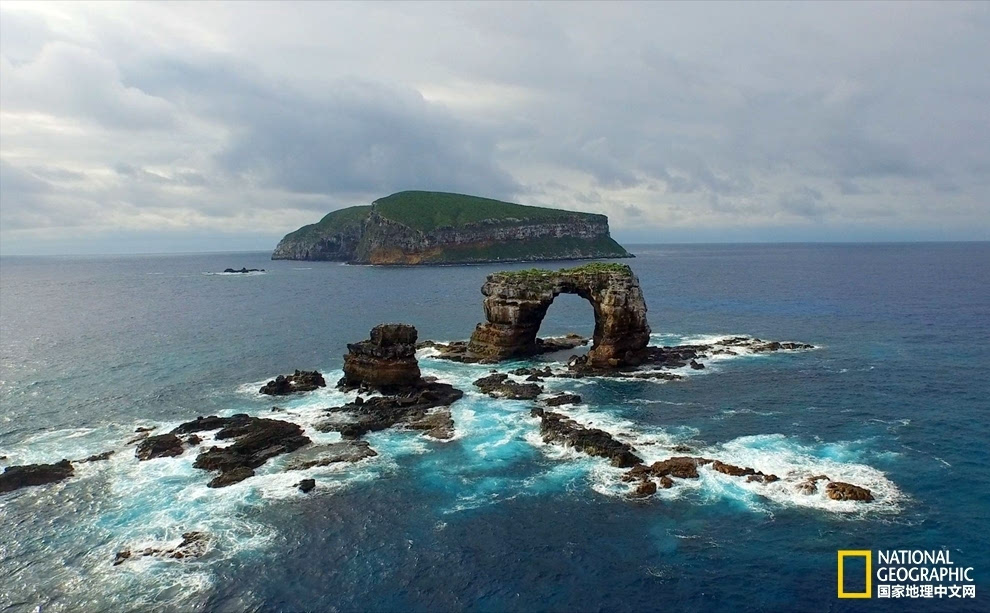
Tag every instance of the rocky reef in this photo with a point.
(416, 227)
(557, 428)
(516, 303)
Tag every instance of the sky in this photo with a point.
(161, 127)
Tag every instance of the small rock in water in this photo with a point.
(306, 485)
(160, 446)
(16, 477)
(837, 490)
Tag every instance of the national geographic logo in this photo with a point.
(903, 573)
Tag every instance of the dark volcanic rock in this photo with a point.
(243, 270)
(386, 362)
(299, 381)
(325, 455)
(16, 477)
(256, 441)
(562, 399)
(306, 485)
(383, 412)
(557, 428)
(193, 545)
(499, 385)
(837, 490)
(160, 446)
(686, 467)
(231, 476)
(99, 457)
(437, 424)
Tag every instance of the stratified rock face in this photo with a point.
(516, 302)
(385, 362)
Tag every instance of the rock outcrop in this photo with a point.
(417, 227)
(381, 412)
(516, 302)
(499, 385)
(16, 477)
(299, 381)
(557, 428)
(386, 362)
(837, 490)
(256, 440)
(160, 446)
(325, 455)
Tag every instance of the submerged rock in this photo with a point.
(325, 455)
(557, 428)
(193, 545)
(437, 424)
(98, 457)
(160, 446)
(16, 477)
(299, 381)
(810, 485)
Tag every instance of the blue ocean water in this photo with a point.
(895, 397)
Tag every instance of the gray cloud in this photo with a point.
(202, 118)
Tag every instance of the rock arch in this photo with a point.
(516, 302)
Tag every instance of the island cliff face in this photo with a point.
(438, 228)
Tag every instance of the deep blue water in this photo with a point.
(895, 397)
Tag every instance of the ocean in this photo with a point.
(894, 397)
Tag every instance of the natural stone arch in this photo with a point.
(516, 303)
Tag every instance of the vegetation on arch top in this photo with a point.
(421, 227)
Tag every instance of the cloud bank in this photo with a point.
(216, 126)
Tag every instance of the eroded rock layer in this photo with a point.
(387, 361)
(516, 302)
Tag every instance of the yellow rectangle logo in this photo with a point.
(867, 555)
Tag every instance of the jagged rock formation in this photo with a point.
(417, 227)
(256, 440)
(410, 408)
(386, 362)
(557, 428)
(516, 302)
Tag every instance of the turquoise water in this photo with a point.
(894, 398)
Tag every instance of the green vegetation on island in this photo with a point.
(419, 227)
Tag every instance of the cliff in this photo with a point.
(441, 228)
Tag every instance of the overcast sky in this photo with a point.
(221, 126)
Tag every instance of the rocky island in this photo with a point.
(417, 227)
